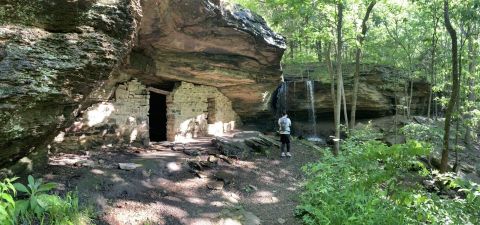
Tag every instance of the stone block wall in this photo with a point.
(198, 110)
(192, 111)
(121, 120)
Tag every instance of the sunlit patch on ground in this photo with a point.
(166, 190)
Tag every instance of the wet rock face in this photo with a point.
(375, 98)
(52, 55)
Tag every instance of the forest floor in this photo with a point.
(191, 184)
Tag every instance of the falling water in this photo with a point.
(282, 98)
(311, 112)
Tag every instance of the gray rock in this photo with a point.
(215, 185)
(128, 166)
(244, 144)
(191, 152)
(86, 163)
(226, 177)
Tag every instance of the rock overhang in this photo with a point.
(210, 43)
(199, 41)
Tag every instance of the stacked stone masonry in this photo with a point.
(192, 111)
(198, 110)
(122, 120)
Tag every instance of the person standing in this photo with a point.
(284, 123)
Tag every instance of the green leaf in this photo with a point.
(47, 187)
(42, 201)
(7, 198)
(31, 181)
(3, 212)
(21, 207)
(20, 187)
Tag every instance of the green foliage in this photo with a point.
(39, 207)
(423, 132)
(371, 183)
(35, 203)
(7, 203)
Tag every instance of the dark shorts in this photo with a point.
(285, 138)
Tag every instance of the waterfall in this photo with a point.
(311, 112)
(282, 98)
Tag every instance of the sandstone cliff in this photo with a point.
(59, 57)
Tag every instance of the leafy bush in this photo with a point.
(37, 206)
(7, 203)
(371, 183)
(423, 132)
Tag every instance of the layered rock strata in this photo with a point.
(59, 57)
(52, 55)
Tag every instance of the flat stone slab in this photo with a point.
(128, 166)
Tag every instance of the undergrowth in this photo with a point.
(371, 183)
(32, 204)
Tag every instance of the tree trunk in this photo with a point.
(432, 64)
(318, 48)
(331, 72)
(345, 113)
(358, 53)
(410, 99)
(455, 88)
(471, 95)
(339, 78)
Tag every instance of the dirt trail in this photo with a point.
(170, 188)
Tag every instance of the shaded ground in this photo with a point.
(169, 188)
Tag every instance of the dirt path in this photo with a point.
(172, 187)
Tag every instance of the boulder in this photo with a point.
(58, 57)
(212, 43)
(54, 53)
(244, 144)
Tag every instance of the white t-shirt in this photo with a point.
(287, 122)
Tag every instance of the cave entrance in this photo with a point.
(158, 117)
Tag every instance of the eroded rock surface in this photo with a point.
(59, 57)
(53, 54)
(210, 43)
(377, 95)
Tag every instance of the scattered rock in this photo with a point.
(128, 166)
(215, 185)
(212, 159)
(195, 165)
(101, 161)
(226, 159)
(191, 152)
(207, 164)
(200, 174)
(238, 216)
(165, 144)
(281, 220)
(253, 187)
(244, 143)
(224, 176)
(86, 163)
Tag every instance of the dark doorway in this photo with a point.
(158, 117)
(211, 111)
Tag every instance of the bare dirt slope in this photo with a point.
(189, 184)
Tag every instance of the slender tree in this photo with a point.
(358, 53)
(339, 77)
(455, 88)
